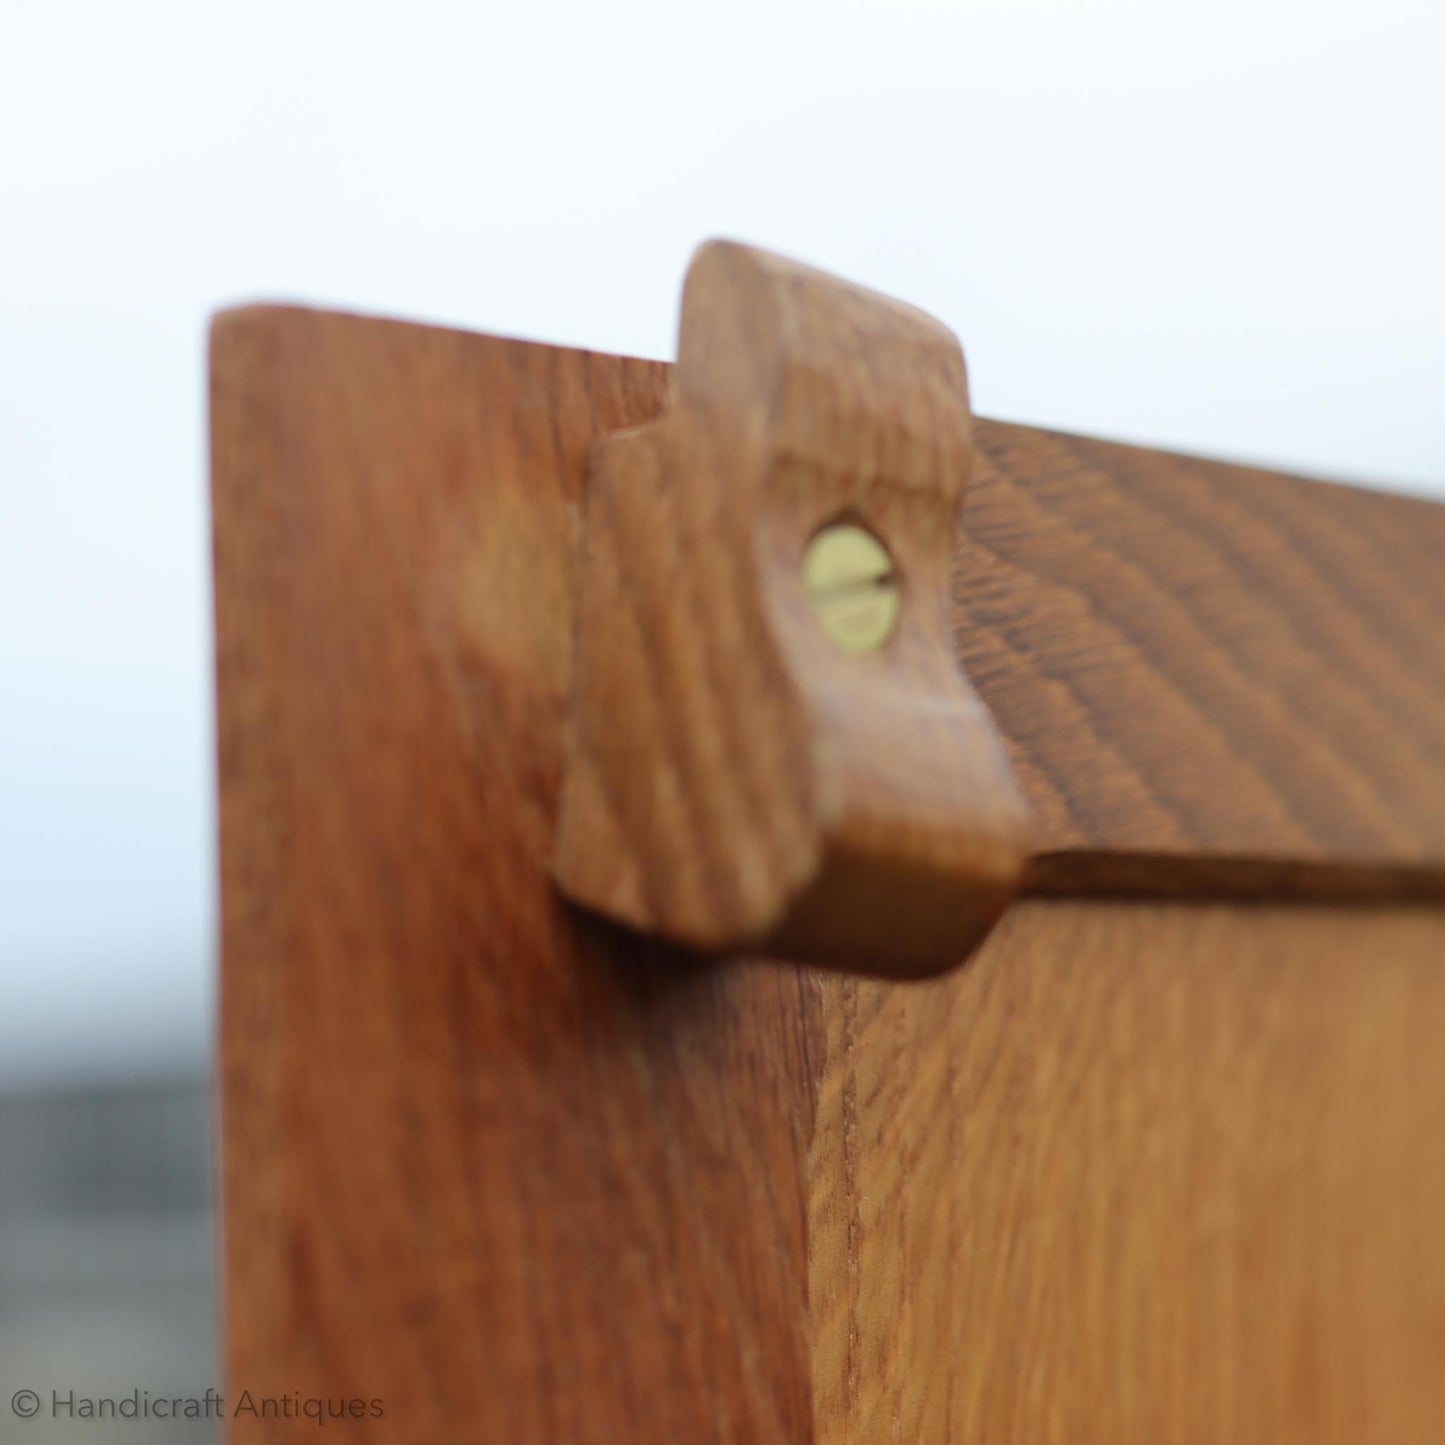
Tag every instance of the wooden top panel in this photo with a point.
(1210, 677)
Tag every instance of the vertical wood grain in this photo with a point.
(1141, 1174)
(515, 1177)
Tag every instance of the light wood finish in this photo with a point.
(481, 1162)
(1142, 1174)
(737, 780)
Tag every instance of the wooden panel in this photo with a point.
(1211, 678)
(1140, 1174)
(474, 1167)
(521, 1177)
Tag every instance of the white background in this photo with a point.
(1214, 226)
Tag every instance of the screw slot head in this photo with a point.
(852, 586)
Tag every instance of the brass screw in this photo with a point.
(852, 586)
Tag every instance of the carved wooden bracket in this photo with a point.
(773, 746)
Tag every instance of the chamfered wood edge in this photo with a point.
(1161, 876)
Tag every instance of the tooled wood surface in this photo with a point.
(1210, 678)
(482, 1163)
(1140, 1174)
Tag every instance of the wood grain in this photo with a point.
(737, 780)
(504, 1172)
(1210, 678)
(1140, 1174)
(1145, 1172)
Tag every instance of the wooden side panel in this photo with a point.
(483, 1164)
(1140, 1174)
